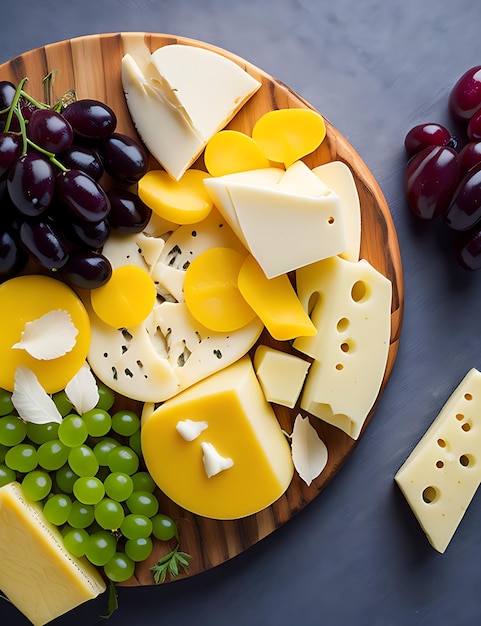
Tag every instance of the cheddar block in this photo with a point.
(350, 305)
(280, 374)
(37, 574)
(442, 474)
(252, 455)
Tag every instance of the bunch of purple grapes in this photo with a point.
(444, 179)
(55, 207)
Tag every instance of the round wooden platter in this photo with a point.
(92, 66)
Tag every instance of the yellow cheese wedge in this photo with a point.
(37, 574)
(281, 375)
(242, 449)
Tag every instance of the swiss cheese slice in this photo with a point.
(37, 574)
(350, 305)
(442, 473)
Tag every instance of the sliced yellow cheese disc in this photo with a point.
(286, 135)
(275, 302)
(126, 299)
(211, 292)
(231, 151)
(183, 201)
(25, 299)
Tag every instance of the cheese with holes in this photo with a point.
(254, 460)
(280, 374)
(37, 574)
(442, 473)
(188, 92)
(350, 305)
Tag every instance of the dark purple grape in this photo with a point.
(469, 156)
(430, 179)
(50, 130)
(468, 249)
(13, 257)
(425, 135)
(123, 158)
(10, 150)
(128, 214)
(27, 109)
(90, 234)
(45, 242)
(7, 92)
(474, 127)
(464, 211)
(83, 159)
(31, 184)
(83, 195)
(91, 118)
(465, 96)
(87, 269)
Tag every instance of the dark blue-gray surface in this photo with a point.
(355, 555)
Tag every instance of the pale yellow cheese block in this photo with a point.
(37, 574)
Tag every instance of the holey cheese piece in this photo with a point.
(37, 574)
(350, 305)
(187, 92)
(237, 465)
(442, 474)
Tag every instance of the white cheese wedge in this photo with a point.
(284, 225)
(442, 474)
(350, 305)
(180, 98)
(338, 177)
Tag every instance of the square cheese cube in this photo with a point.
(281, 375)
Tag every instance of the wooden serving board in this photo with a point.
(92, 66)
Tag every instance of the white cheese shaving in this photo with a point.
(309, 452)
(32, 402)
(214, 463)
(189, 429)
(50, 336)
(82, 390)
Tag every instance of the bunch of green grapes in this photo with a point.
(87, 475)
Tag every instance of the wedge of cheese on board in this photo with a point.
(350, 305)
(442, 474)
(37, 574)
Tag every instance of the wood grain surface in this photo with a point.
(92, 66)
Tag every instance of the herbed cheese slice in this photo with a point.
(350, 305)
(442, 473)
(37, 574)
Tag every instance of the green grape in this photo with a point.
(163, 527)
(119, 568)
(106, 397)
(100, 548)
(88, 490)
(118, 486)
(139, 549)
(125, 423)
(12, 430)
(7, 475)
(52, 455)
(109, 514)
(72, 431)
(6, 404)
(75, 541)
(143, 503)
(135, 443)
(81, 515)
(136, 526)
(98, 422)
(41, 433)
(102, 450)
(22, 458)
(57, 509)
(143, 481)
(123, 459)
(83, 461)
(3, 452)
(62, 403)
(36, 485)
(65, 478)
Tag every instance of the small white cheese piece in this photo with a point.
(443, 472)
(281, 375)
(48, 337)
(214, 463)
(190, 429)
